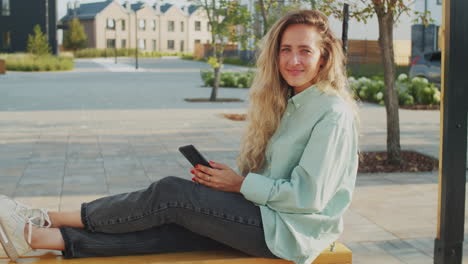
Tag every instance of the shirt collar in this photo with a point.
(305, 96)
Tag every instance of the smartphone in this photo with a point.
(193, 156)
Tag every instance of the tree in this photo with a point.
(271, 10)
(75, 37)
(37, 43)
(224, 16)
(388, 13)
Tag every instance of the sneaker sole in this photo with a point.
(7, 244)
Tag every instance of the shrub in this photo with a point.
(228, 79)
(415, 91)
(26, 62)
(37, 43)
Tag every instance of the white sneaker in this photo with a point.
(13, 218)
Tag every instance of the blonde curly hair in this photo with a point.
(269, 91)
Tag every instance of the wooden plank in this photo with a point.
(341, 255)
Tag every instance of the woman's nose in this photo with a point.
(294, 59)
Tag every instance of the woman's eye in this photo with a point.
(284, 49)
(306, 51)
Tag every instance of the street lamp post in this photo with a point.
(136, 40)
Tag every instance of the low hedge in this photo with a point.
(123, 52)
(228, 79)
(29, 62)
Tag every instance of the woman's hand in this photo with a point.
(220, 177)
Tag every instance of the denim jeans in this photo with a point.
(171, 215)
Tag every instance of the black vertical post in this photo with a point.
(115, 42)
(448, 246)
(136, 40)
(344, 36)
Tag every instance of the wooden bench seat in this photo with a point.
(340, 255)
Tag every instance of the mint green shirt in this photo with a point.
(309, 175)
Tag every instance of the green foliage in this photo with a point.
(37, 43)
(224, 18)
(28, 62)
(270, 11)
(123, 52)
(237, 61)
(229, 79)
(370, 70)
(415, 91)
(75, 38)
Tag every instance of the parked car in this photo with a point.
(427, 66)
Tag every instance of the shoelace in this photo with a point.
(34, 214)
(43, 217)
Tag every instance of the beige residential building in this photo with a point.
(158, 27)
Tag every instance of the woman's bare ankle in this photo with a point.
(44, 238)
(70, 219)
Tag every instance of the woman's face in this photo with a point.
(299, 56)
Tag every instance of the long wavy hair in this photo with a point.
(269, 91)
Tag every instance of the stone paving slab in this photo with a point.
(67, 138)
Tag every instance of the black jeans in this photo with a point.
(171, 215)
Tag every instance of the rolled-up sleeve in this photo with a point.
(324, 165)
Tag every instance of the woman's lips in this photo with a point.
(294, 72)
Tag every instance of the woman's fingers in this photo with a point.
(218, 165)
(207, 170)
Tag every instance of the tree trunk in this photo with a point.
(390, 95)
(217, 77)
(264, 17)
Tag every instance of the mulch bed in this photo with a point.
(421, 107)
(376, 162)
(411, 161)
(206, 100)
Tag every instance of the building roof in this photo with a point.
(137, 6)
(193, 8)
(165, 7)
(87, 11)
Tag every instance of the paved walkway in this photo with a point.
(71, 137)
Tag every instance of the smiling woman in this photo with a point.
(296, 172)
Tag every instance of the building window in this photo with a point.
(207, 41)
(123, 43)
(5, 7)
(122, 25)
(153, 24)
(181, 26)
(170, 44)
(208, 27)
(439, 2)
(154, 45)
(197, 41)
(111, 43)
(142, 44)
(6, 40)
(181, 46)
(142, 24)
(170, 26)
(197, 26)
(110, 23)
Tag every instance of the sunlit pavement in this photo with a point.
(107, 128)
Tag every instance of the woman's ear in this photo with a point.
(321, 62)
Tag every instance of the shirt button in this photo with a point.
(298, 105)
(287, 113)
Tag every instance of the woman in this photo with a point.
(297, 164)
